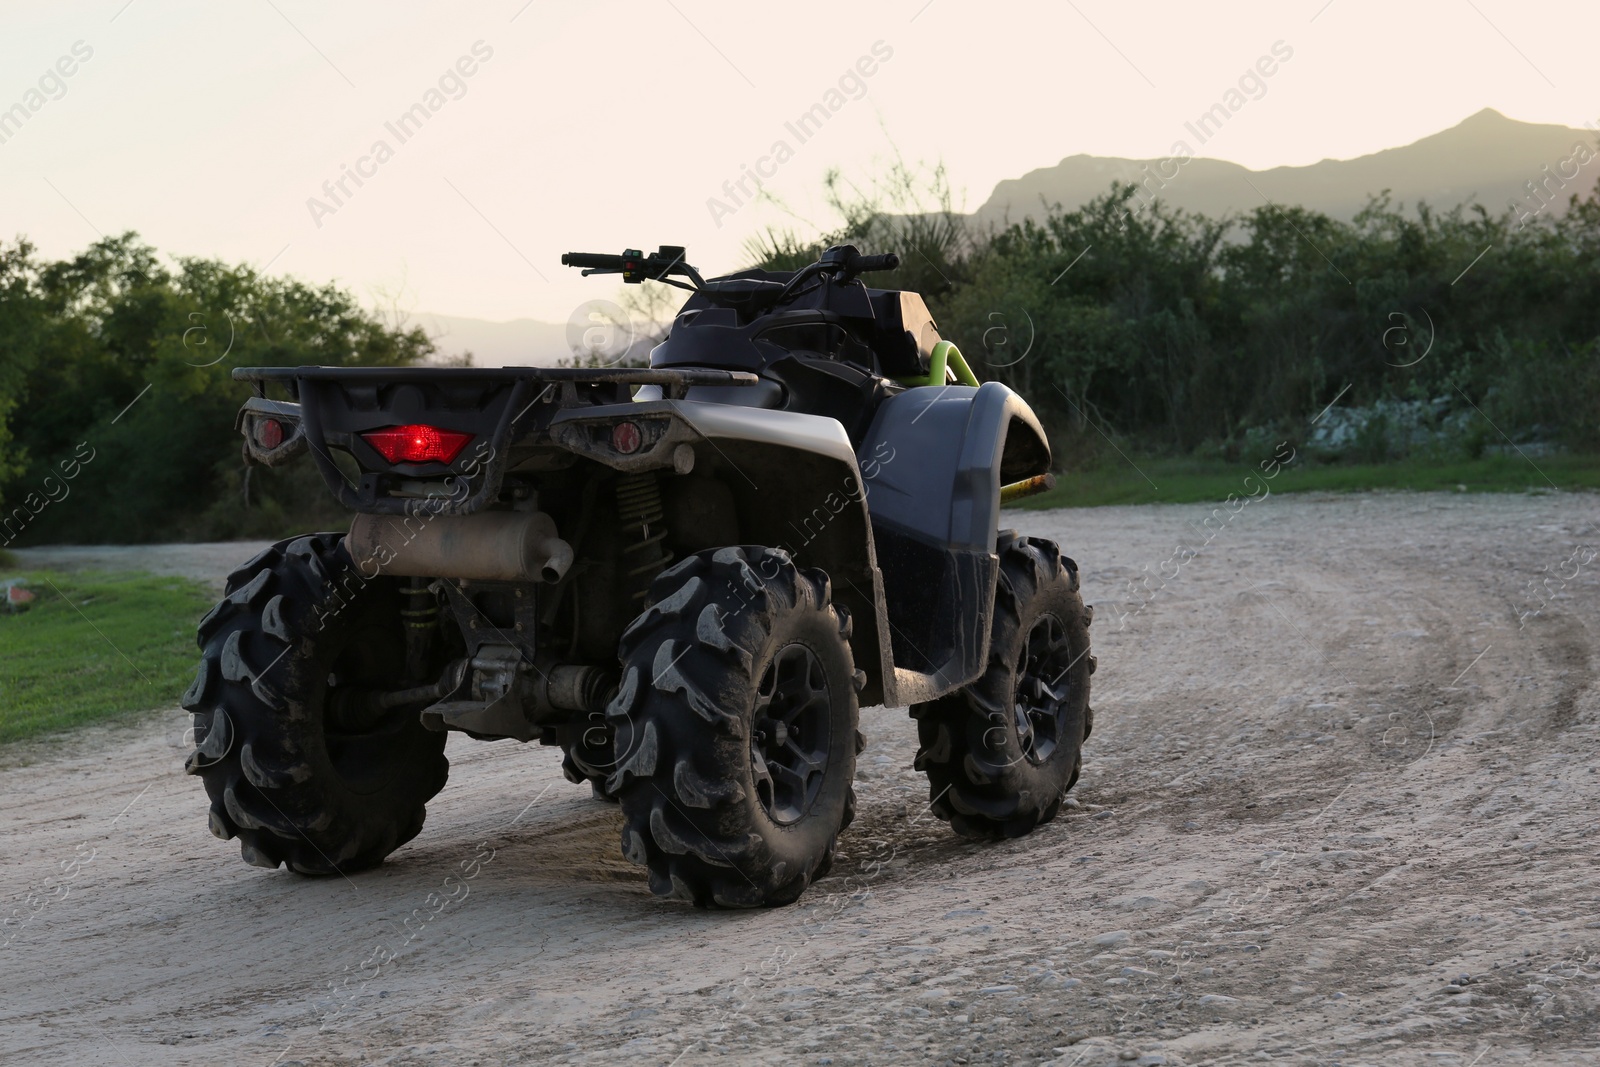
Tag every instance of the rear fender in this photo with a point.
(796, 485)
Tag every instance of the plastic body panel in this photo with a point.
(967, 443)
(935, 511)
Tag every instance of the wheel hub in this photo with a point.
(790, 738)
(1043, 691)
(773, 735)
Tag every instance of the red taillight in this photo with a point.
(626, 438)
(417, 444)
(269, 433)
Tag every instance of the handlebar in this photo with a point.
(842, 262)
(635, 266)
(597, 260)
(887, 261)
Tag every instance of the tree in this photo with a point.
(118, 355)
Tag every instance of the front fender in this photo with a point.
(935, 519)
(967, 443)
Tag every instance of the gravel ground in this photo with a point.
(1339, 808)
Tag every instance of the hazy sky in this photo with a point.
(208, 127)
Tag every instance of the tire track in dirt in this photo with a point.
(1565, 645)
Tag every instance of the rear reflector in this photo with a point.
(269, 433)
(417, 444)
(626, 438)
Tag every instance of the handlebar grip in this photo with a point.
(600, 260)
(887, 261)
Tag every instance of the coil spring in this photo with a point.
(642, 517)
(421, 610)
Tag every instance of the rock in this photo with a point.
(1109, 938)
(1217, 1000)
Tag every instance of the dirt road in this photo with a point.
(209, 563)
(1330, 777)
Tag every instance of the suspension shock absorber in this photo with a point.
(419, 612)
(643, 522)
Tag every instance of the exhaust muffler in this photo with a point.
(500, 546)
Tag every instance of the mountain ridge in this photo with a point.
(1487, 159)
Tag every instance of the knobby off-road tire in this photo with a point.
(1001, 753)
(735, 729)
(295, 782)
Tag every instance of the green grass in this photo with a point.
(1186, 481)
(94, 647)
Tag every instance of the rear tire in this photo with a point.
(1001, 753)
(288, 775)
(735, 729)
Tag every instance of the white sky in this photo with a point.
(602, 125)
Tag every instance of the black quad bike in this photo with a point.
(688, 576)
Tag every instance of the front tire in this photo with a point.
(735, 729)
(292, 770)
(1001, 753)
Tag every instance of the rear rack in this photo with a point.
(525, 393)
(674, 382)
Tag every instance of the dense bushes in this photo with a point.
(1182, 333)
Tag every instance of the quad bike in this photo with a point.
(688, 576)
